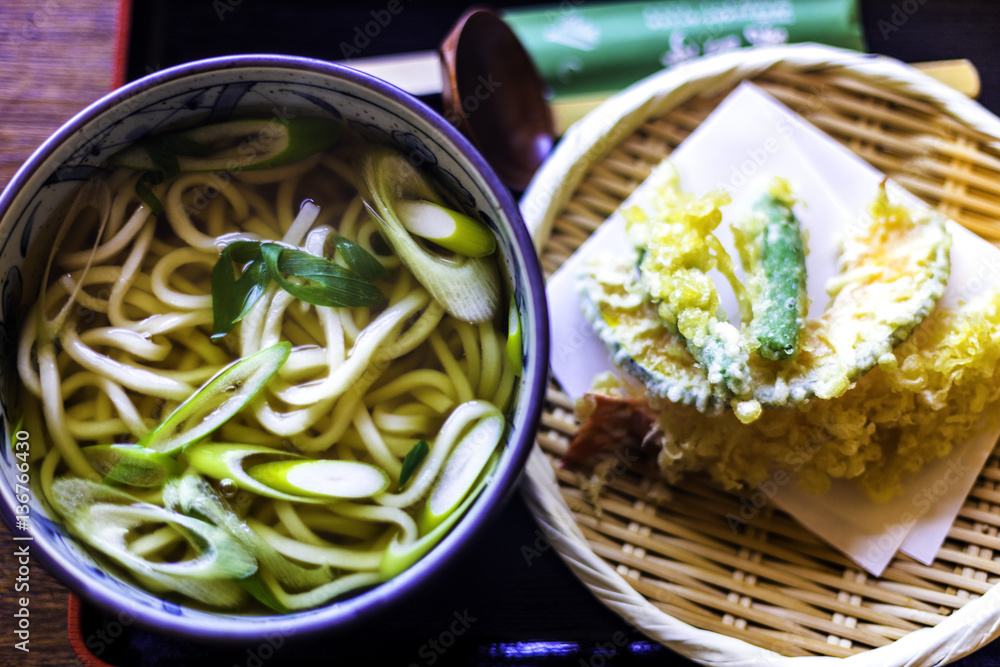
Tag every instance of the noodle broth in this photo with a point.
(122, 338)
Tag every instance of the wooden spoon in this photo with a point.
(494, 94)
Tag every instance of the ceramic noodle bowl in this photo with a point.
(212, 91)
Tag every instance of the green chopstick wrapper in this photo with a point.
(582, 49)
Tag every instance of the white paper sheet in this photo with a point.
(746, 140)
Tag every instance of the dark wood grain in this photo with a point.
(56, 57)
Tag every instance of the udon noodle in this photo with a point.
(121, 337)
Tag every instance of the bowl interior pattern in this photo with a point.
(210, 91)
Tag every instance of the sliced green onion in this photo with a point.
(105, 527)
(515, 344)
(145, 192)
(258, 588)
(232, 297)
(328, 283)
(70, 495)
(360, 260)
(217, 401)
(234, 145)
(225, 461)
(468, 288)
(446, 227)
(243, 252)
(193, 496)
(221, 556)
(132, 464)
(322, 479)
(412, 459)
(462, 469)
(399, 557)
(335, 286)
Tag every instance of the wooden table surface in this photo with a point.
(57, 56)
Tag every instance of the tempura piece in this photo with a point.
(638, 339)
(932, 393)
(773, 255)
(609, 422)
(673, 231)
(658, 312)
(892, 270)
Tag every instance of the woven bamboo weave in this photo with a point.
(664, 556)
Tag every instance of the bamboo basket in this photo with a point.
(663, 556)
